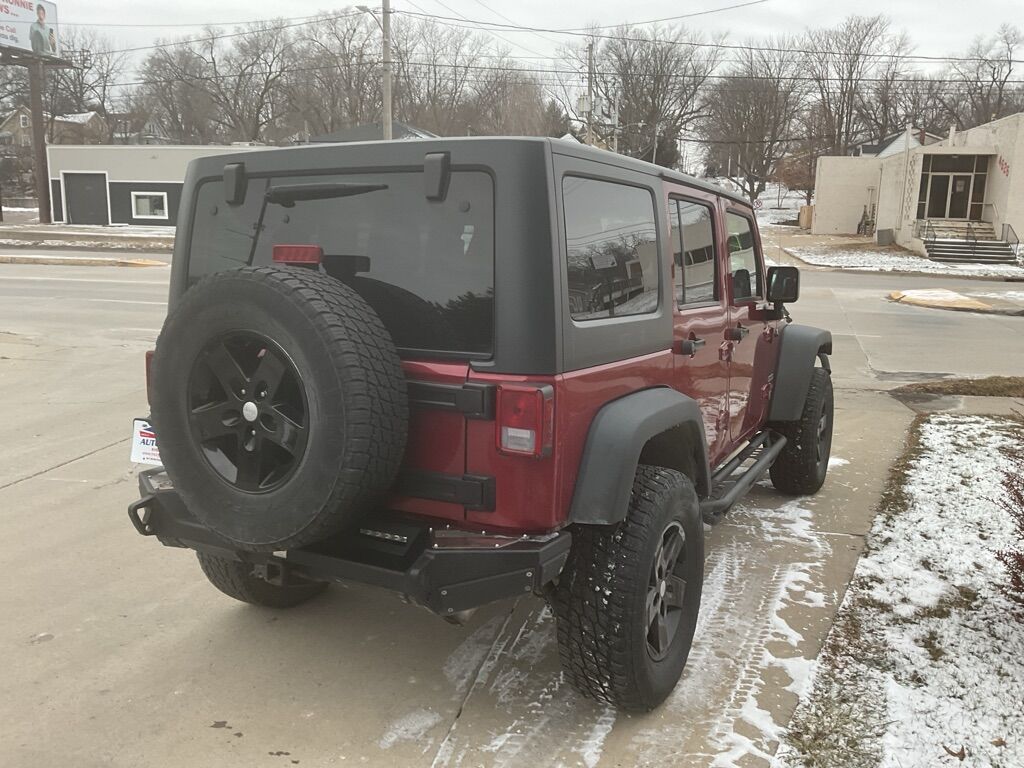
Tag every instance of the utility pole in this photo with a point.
(385, 28)
(36, 84)
(615, 128)
(654, 153)
(590, 92)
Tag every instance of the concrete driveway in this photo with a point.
(118, 653)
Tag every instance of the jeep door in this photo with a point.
(700, 313)
(749, 341)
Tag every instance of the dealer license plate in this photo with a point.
(144, 448)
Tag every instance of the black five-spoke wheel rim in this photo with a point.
(823, 445)
(248, 411)
(666, 592)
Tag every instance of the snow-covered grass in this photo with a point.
(894, 260)
(924, 663)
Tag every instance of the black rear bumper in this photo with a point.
(442, 569)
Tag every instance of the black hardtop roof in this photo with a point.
(405, 150)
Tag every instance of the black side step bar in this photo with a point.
(767, 445)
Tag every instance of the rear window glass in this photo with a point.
(426, 267)
(611, 248)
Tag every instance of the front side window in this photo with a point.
(744, 263)
(149, 205)
(693, 239)
(611, 249)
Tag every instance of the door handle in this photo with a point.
(736, 333)
(689, 346)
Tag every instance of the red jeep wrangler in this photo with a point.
(469, 369)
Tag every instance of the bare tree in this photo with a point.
(984, 91)
(885, 103)
(335, 82)
(656, 76)
(840, 60)
(174, 88)
(436, 72)
(751, 114)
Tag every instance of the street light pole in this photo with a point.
(385, 28)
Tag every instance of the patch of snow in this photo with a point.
(410, 727)
(462, 664)
(933, 294)
(893, 261)
(953, 642)
(1005, 295)
(835, 461)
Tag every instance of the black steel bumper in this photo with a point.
(443, 569)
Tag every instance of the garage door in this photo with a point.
(85, 196)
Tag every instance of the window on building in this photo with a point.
(149, 205)
(26, 140)
(693, 246)
(744, 261)
(24, 121)
(611, 249)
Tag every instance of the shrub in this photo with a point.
(1013, 501)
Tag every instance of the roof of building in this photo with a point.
(371, 132)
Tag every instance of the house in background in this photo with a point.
(960, 199)
(895, 143)
(80, 128)
(135, 128)
(372, 132)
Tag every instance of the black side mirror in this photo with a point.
(783, 285)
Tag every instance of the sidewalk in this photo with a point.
(64, 236)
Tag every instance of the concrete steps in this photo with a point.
(966, 242)
(970, 252)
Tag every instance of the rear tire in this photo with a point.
(801, 467)
(236, 579)
(617, 586)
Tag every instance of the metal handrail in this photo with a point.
(929, 238)
(971, 236)
(1007, 232)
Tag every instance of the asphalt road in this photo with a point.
(118, 653)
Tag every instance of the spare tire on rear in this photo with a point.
(279, 405)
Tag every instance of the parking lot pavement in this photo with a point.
(118, 653)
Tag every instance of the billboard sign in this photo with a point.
(29, 26)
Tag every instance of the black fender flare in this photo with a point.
(800, 346)
(656, 426)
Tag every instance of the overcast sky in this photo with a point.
(938, 28)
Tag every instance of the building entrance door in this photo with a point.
(938, 195)
(959, 196)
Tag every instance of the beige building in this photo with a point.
(958, 199)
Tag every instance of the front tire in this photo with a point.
(627, 600)
(237, 579)
(801, 467)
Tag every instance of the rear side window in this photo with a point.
(744, 262)
(693, 246)
(426, 267)
(611, 248)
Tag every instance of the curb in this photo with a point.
(81, 261)
(962, 304)
(912, 273)
(87, 245)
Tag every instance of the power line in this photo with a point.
(577, 32)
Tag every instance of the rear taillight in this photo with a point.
(298, 254)
(149, 374)
(526, 420)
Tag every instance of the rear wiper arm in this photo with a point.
(289, 194)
